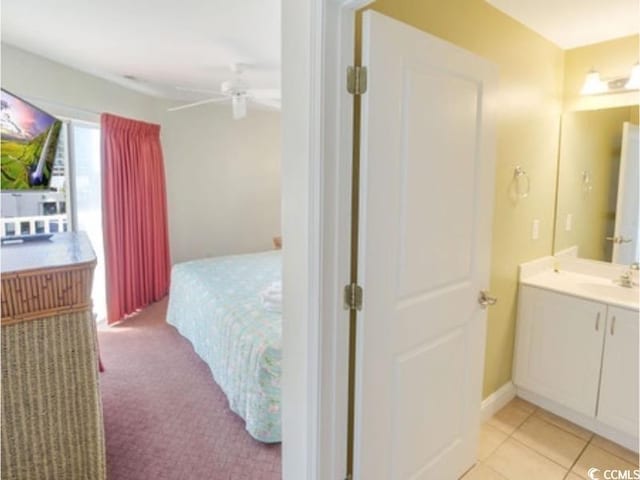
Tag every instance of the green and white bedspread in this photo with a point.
(215, 303)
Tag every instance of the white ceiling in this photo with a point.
(190, 43)
(574, 23)
(163, 43)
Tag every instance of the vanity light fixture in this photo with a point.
(634, 80)
(594, 84)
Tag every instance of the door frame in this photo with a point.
(317, 116)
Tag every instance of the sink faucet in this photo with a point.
(626, 279)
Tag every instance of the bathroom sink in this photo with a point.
(613, 291)
(599, 288)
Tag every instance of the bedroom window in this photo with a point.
(85, 197)
(25, 212)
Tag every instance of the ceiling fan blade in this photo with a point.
(200, 90)
(273, 93)
(274, 104)
(195, 104)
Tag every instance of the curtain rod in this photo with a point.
(66, 106)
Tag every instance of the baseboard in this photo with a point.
(497, 400)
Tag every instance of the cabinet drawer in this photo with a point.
(42, 293)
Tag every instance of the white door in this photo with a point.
(627, 227)
(618, 404)
(427, 168)
(559, 347)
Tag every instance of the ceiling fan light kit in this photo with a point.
(238, 92)
(239, 106)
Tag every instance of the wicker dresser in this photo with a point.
(51, 408)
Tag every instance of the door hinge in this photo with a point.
(356, 80)
(353, 297)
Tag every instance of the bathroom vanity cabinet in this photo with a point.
(579, 358)
(618, 397)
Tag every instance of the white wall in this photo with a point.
(223, 181)
(223, 176)
(50, 85)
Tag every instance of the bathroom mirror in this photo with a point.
(597, 213)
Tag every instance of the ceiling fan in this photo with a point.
(238, 92)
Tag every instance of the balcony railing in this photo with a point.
(40, 224)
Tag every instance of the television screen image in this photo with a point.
(28, 143)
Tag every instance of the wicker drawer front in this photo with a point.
(38, 293)
(51, 408)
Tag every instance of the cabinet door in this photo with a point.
(559, 347)
(618, 403)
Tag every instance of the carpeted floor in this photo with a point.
(165, 417)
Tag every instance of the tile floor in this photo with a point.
(524, 442)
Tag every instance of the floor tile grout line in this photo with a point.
(588, 441)
(529, 414)
(510, 436)
(507, 437)
(592, 435)
(540, 453)
(578, 458)
(521, 423)
(611, 453)
(496, 471)
(549, 422)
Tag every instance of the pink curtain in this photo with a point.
(136, 240)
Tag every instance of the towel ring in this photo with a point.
(522, 182)
(587, 185)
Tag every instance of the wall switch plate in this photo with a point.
(568, 224)
(535, 230)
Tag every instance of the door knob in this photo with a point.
(485, 300)
(619, 240)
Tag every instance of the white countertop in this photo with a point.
(590, 287)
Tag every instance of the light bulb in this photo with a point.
(239, 106)
(593, 84)
(634, 79)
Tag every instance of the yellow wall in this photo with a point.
(530, 103)
(612, 59)
(590, 141)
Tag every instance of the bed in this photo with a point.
(215, 303)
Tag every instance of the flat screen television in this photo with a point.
(28, 142)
